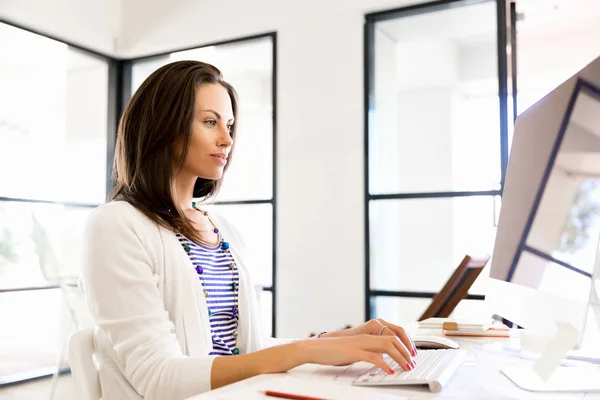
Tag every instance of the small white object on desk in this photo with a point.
(434, 342)
(455, 324)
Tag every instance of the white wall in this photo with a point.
(320, 265)
(92, 24)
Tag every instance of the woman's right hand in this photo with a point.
(336, 351)
(350, 349)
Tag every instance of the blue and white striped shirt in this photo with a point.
(216, 278)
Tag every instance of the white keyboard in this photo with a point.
(434, 368)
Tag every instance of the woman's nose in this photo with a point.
(226, 140)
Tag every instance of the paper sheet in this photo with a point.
(319, 389)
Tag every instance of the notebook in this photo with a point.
(465, 327)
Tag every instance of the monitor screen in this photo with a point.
(557, 252)
(549, 228)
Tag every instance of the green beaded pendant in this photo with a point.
(186, 248)
(236, 351)
(233, 286)
(209, 312)
(193, 204)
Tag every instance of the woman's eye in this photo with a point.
(229, 128)
(211, 122)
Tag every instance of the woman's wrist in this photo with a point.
(297, 353)
(340, 333)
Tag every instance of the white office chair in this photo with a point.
(83, 368)
(73, 311)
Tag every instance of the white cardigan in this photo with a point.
(152, 334)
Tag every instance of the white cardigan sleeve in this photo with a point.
(123, 296)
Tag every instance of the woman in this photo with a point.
(167, 283)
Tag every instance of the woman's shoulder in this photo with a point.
(116, 214)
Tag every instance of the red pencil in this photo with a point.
(291, 396)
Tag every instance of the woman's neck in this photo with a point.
(183, 190)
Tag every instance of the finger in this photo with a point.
(406, 343)
(401, 333)
(398, 351)
(391, 346)
(398, 331)
(375, 359)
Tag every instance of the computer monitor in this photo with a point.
(546, 247)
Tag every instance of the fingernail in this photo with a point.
(391, 371)
(414, 363)
(408, 367)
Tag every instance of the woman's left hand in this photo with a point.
(377, 327)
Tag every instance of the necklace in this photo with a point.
(224, 248)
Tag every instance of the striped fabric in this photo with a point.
(217, 279)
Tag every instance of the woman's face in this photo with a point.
(210, 142)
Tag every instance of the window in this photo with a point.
(434, 151)
(438, 136)
(53, 119)
(247, 198)
(54, 133)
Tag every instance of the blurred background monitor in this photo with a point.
(549, 229)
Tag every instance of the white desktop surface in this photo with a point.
(479, 377)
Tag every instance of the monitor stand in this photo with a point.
(589, 349)
(563, 379)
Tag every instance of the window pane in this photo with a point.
(405, 309)
(434, 125)
(573, 29)
(30, 334)
(546, 276)
(417, 244)
(39, 243)
(53, 120)
(248, 66)
(400, 310)
(266, 310)
(255, 225)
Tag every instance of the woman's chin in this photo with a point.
(213, 175)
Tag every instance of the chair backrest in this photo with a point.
(456, 288)
(83, 369)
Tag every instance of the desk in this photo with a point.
(479, 377)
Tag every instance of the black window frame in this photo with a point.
(369, 79)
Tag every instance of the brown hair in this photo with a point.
(161, 111)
